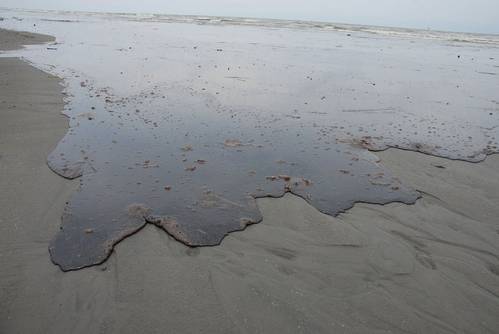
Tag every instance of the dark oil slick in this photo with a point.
(194, 168)
(184, 125)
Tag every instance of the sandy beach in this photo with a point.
(430, 267)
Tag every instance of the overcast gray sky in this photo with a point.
(456, 15)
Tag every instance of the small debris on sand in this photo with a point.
(88, 115)
(285, 177)
(186, 148)
(232, 143)
(379, 179)
(307, 182)
(149, 164)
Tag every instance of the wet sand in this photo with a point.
(12, 40)
(428, 267)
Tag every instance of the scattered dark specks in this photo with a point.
(439, 166)
(232, 143)
(285, 177)
(190, 168)
(186, 148)
(149, 164)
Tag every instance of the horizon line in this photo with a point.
(340, 24)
